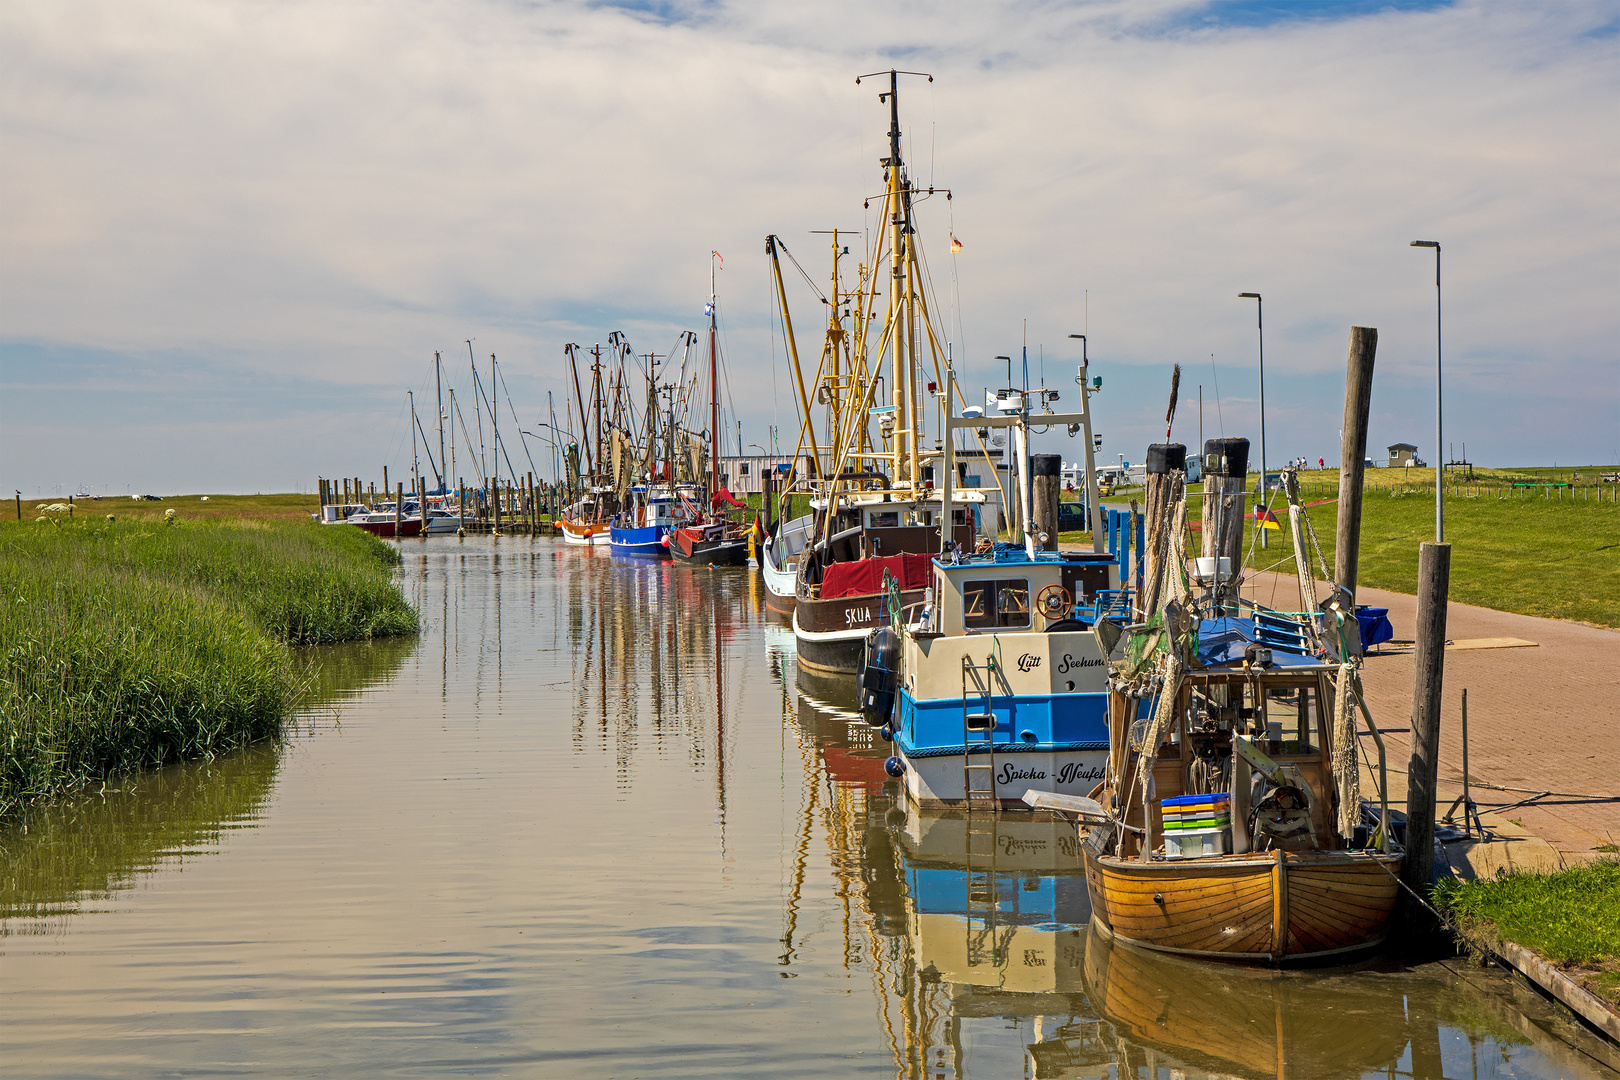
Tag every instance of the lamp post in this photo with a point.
(1260, 327)
(1439, 471)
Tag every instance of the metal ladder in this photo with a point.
(984, 944)
(978, 733)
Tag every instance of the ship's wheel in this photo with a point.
(1054, 601)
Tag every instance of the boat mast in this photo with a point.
(714, 390)
(596, 401)
(478, 417)
(415, 472)
(494, 422)
(438, 386)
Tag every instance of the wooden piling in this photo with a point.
(399, 507)
(1358, 375)
(1046, 482)
(1428, 670)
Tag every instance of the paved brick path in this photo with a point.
(1544, 718)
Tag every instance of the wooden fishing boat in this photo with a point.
(1231, 823)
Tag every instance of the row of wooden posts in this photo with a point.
(496, 507)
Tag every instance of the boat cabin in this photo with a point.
(1283, 711)
(1009, 591)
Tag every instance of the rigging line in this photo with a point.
(513, 410)
(807, 280)
(1220, 420)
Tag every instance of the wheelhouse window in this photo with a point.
(883, 519)
(1292, 714)
(995, 602)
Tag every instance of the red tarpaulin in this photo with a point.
(865, 576)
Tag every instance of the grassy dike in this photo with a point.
(1570, 918)
(131, 644)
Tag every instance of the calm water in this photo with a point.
(591, 825)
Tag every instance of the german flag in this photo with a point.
(1265, 519)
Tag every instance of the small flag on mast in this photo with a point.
(956, 245)
(721, 257)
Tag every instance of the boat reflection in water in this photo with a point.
(976, 930)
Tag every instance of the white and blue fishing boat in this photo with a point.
(642, 528)
(1000, 686)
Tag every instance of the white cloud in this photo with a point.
(330, 192)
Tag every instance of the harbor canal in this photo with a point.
(592, 824)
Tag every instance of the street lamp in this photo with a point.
(1259, 325)
(1439, 476)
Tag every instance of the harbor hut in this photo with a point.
(1402, 454)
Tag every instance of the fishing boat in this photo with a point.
(840, 596)
(642, 527)
(999, 687)
(586, 521)
(877, 508)
(1230, 823)
(712, 537)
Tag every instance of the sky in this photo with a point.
(232, 235)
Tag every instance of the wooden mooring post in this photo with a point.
(1353, 455)
(1428, 671)
(1046, 483)
(399, 507)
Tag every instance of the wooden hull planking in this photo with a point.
(1269, 906)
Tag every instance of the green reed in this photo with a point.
(130, 645)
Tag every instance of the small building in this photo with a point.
(1402, 454)
(742, 475)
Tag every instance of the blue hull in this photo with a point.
(651, 541)
(1025, 723)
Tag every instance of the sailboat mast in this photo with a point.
(494, 422)
(438, 386)
(478, 416)
(415, 472)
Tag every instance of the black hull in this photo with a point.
(832, 657)
(713, 553)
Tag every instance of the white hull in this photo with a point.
(938, 781)
(589, 538)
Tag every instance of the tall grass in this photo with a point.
(125, 646)
(1571, 917)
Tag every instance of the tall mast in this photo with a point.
(596, 399)
(452, 474)
(494, 421)
(478, 416)
(438, 386)
(714, 389)
(897, 288)
(415, 472)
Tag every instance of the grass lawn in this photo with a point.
(1571, 918)
(1548, 552)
